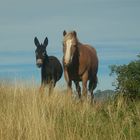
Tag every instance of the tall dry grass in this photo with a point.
(27, 115)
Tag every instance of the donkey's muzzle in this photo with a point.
(39, 62)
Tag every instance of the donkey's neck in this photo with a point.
(46, 61)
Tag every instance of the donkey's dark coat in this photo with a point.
(80, 64)
(51, 68)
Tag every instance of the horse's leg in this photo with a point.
(92, 86)
(69, 82)
(84, 84)
(69, 87)
(78, 88)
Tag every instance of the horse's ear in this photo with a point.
(45, 42)
(64, 33)
(36, 42)
(75, 34)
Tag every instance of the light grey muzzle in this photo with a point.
(39, 62)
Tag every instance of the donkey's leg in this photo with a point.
(84, 84)
(78, 88)
(42, 87)
(51, 86)
(92, 86)
(43, 81)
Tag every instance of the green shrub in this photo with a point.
(128, 78)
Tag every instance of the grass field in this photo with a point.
(27, 115)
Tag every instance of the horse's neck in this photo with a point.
(78, 49)
(79, 44)
(76, 54)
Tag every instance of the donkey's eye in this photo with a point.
(44, 53)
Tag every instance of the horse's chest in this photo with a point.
(74, 73)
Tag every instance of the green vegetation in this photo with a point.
(26, 114)
(128, 79)
(104, 95)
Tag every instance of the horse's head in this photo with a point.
(70, 43)
(40, 51)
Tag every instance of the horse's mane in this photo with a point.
(71, 36)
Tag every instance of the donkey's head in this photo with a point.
(40, 51)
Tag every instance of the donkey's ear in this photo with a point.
(36, 42)
(75, 34)
(64, 33)
(45, 42)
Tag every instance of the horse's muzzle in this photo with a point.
(68, 62)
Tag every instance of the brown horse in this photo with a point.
(80, 63)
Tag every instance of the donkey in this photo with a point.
(51, 68)
(80, 63)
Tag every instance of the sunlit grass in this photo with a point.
(26, 114)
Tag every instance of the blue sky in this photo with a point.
(111, 26)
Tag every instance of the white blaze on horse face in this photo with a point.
(68, 51)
